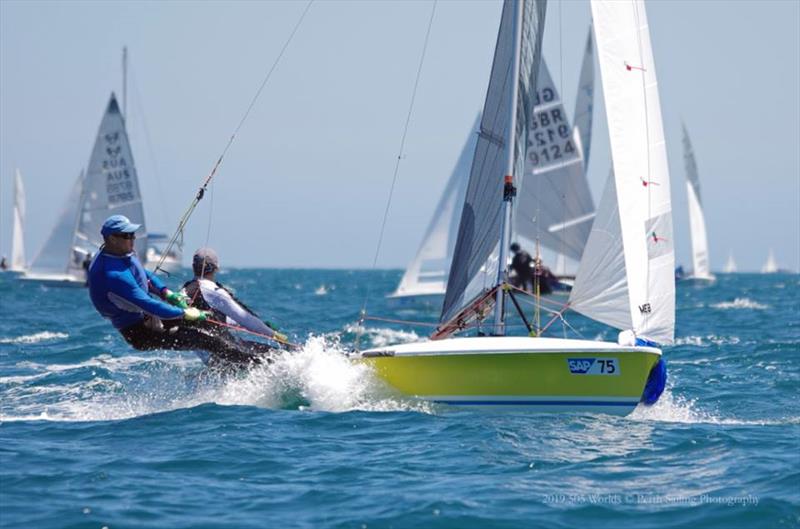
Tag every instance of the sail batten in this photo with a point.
(643, 283)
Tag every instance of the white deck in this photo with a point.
(505, 345)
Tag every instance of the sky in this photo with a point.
(306, 180)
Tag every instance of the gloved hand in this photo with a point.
(176, 298)
(195, 314)
(280, 337)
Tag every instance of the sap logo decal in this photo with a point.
(580, 366)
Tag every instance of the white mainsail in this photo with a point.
(730, 265)
(584, 104)
(111, 187)
(626, 276)
(771, 266)
(554, 204)
(697, 222)
(500, 152)
(18, 234)
(428, 271)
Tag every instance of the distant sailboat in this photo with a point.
(701, 268)
(18, 237)
(110, 186)
(555, 206)
(425, 278)
(625, 275)
(771, 266)
(730, 265)
(557, 158)
(157, 245)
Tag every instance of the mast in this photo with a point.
(508, 187)
(125, 82)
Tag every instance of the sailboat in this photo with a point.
(156, 249)
(625, 275)
(109, 186)
(557, 157)
(730, 265)
(770, 266)
(425, 278)
(18, 237)
(697, 223)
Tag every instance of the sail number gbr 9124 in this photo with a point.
(550, 138)
(593, 366)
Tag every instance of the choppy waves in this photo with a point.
(740, 303)
(44, 336)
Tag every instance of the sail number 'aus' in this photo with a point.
(593, 366)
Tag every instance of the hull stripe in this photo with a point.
(538, 402)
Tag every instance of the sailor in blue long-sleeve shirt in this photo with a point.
(120, 289)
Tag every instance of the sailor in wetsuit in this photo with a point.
(206, 294)
(120, 290)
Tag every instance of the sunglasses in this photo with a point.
(128, 236)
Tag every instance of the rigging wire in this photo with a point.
(201, 191)
(396, 172)
(151, 151)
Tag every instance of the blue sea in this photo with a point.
(94, 434)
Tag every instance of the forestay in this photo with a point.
(475, 259)
(697, 221)
(111, 187)
(626, 276)
(18, 237)
(554, 203)
(428, 271)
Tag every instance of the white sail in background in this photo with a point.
(771, 266)
(554, 204)
(697, 223)
(730, 265)
(54, 254)
(584, 104)
(111, 187)
(18, 234)
(626, 276)
(428, 271)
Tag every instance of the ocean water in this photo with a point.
(94, 434)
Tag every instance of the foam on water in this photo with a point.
(38, 337)
(740, 303)
(673, 408)
(320, 376)
(381, 337)
(707, 341)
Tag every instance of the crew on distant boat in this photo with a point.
(528, 270)
(3, 263)
(522, 265)
(205, 293)
(120, 289)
